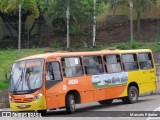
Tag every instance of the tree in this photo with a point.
(80, 14)
(9, 13)
(140, 6)
(157, 12)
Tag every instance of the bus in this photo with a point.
(56, 80)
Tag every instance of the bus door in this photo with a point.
(53, 77)
(147, 68)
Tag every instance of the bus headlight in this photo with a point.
(38, 96)
(11, 99)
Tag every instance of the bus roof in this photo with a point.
(67, 54)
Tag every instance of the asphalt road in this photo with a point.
(94, 111)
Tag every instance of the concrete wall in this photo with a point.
(126, 11)
(4, 101)
(100, 19)
(28, 24)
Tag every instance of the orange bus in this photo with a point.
(62, 80)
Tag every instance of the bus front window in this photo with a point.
(26, 76)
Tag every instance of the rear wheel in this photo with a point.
(132, 95)
(70, 104)
(106, 102)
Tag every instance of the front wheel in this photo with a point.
(132, 96)
(43, 112)
(70, 104)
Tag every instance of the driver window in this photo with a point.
(53, 74)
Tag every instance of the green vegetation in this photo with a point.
(3, 84)
(81, 13)
(7, 57)
(140, 6)
(104, 86)
(9, 14)
(57, 44)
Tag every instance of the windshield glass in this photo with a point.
(26, 75)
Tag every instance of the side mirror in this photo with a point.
(6, 75)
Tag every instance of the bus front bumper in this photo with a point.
(40, 104)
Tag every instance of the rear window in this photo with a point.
(145, 61)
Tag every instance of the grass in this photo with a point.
(7, 57)
(4, 84)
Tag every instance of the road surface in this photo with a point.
(94, 111)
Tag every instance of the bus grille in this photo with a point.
(18, 100)
(23, 101)
(28, 100)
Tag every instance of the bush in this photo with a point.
(135, 44)
(56, 44)
(4, 84)
(122, 46)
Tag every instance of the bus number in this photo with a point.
(73, 82)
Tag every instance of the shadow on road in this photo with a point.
(91, 109)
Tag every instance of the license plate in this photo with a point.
(23, 105)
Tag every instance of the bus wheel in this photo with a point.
(106, 102)
(132, 96)
(43, 112)
(70, 104)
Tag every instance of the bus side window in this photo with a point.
(130, 62)
(72, 67)
(53, 74)
(145, 60)
(113, 63)
(93, 65)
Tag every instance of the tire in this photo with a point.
(132, 95)
(70, 104)
(43, 112)
(106, 102)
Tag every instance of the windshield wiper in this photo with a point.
(20, 79)
(18, 82)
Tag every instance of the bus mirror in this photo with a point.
(6, 75)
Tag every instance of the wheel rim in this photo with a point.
(72, 104)
(133, 95)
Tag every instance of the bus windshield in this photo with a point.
(26, 76)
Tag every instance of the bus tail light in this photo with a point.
(37, 96)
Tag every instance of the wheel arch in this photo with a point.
(133, 84)
(76, 95)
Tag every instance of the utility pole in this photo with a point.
(68, 18)
(94, 23)
(19, 33)
(131, 21)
